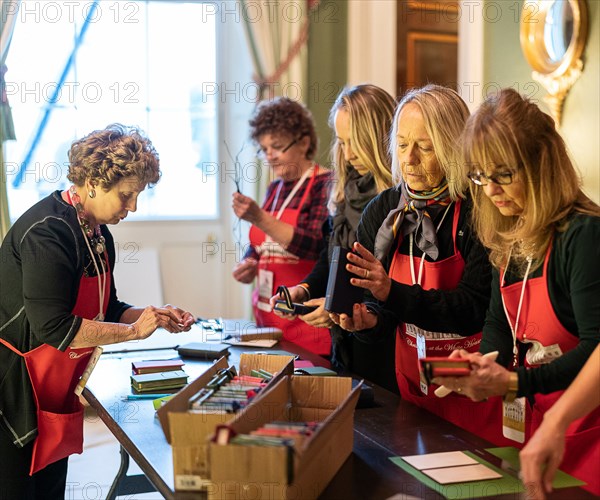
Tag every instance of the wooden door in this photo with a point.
(427, 43)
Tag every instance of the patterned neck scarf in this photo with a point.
(414, 215)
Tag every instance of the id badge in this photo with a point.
(539, 354)
(265, 284)
(513, 420)
(421, 353)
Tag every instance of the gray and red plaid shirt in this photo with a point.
(308, 239)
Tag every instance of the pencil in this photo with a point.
(96, 353)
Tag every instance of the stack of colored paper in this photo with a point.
(158, 382)
(156, 366)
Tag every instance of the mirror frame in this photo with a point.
(557, 77)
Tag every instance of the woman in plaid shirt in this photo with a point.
(286, 233)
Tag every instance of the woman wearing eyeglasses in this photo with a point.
(286, 233)
(418, 257)
(543, 236)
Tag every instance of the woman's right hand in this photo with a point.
(542, 456)
(153, 318)
(487, 378)
(246, 208)
(297, 294)
(246, 270)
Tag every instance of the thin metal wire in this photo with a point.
(237, 177)
(237, 169)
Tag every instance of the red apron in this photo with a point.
(482, 418)
(54, 375)
(287, 270)
(540, 324)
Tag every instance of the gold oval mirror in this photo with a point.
(553, 37)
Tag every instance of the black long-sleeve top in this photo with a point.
(306, 242)
(318, 276)
(460, 311)
(42, 260)
(374, 361)
(573, 281)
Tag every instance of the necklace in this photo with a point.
(94, 239)
(94, 235)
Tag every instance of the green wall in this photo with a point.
(505, 66)
(327, 66)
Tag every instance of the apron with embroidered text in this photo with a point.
(277, 267)
(412, 343)
(54, 375)
(549, 339)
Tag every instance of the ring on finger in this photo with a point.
(366, 274)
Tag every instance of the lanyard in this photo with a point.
(101, 276)
(412, 265)
(516, 326)
(290, 196)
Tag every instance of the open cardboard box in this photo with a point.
(238, 471)
(188, 433)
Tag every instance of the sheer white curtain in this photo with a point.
(277, 33)
(9, 12)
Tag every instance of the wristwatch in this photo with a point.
(513, 387)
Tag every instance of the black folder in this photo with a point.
(203, 350)
(341, 295)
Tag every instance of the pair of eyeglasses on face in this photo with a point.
(262, 152)
(500, 178)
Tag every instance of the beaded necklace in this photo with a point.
(93, 239)
(94, 235)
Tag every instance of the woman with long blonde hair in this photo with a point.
(361, 118)
(418, 257)
(543, 235)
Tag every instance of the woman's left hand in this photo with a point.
(246, 208)
(362, 319)
(186, 319)
(371, 273)
(487, 378)
(318, 318)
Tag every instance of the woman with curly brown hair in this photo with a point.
(59, 301)
(286, 233)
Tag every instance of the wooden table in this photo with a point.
(391, 428)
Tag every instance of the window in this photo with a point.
(143, 63)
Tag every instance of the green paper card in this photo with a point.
(507, 485)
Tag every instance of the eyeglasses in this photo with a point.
(262, 152)
(501, 178)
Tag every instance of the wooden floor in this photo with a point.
(91, 473)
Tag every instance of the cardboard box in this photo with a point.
(261, 472)
(188, 433)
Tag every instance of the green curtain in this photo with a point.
(4, 215)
